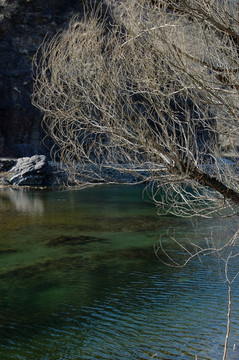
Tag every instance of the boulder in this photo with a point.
(30, 171)
(7, 164)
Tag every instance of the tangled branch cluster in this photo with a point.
(154, 94)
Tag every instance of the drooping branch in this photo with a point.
(149, 94)
(215, 184)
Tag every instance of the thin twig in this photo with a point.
(228, 323)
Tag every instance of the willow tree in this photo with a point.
(153, 93)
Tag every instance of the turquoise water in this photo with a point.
(79, 279)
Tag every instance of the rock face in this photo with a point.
(30, 171)
(23, 26)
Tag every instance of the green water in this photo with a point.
(79, 279)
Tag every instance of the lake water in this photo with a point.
(79, 279)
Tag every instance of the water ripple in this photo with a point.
(109, 300)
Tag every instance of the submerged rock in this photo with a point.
(134, 253)
(7, 251)
(73, 240)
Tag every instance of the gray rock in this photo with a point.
(4, 181)
(29, 171)
(7, 164)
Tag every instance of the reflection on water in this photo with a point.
(79, 280)
(20, 201)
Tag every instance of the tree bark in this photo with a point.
(214, 184)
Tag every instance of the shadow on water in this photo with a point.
(79, 280)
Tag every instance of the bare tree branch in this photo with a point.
(148, 95)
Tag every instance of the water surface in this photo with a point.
(79, 279)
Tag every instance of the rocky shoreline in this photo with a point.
(38, 172)
(35, 171)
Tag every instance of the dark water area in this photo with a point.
(79, 279)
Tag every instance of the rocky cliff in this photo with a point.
(23, 26)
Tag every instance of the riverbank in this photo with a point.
(38, 172)
(34, 172)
